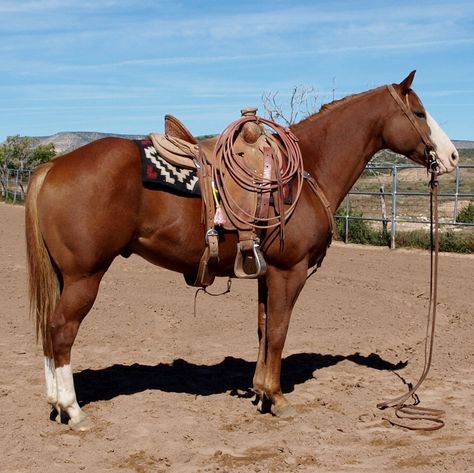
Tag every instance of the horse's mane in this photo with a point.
(335, 104)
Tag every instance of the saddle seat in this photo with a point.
(179, 147)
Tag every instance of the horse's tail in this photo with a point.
(43, 280)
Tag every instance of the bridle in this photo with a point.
(414, 411)
(431, 157)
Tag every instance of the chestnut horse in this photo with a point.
(89, 206)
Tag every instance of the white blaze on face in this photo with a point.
(447, 154)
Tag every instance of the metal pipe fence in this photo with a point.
(14, 183)
(403, 203)
(395, 196)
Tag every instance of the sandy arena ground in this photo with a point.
(169, 392)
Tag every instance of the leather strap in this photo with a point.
(264, 195)
(413, 411)
(205, 276)
(409, 114)
(326, 204)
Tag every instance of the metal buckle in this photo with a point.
(212, 232)
(432, 161)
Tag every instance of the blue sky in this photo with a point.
(120, 65)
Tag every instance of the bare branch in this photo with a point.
(302, 103)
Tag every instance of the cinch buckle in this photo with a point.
(212, 232)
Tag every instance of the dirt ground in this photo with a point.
(169, 392)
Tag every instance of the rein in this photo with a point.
(413, 411)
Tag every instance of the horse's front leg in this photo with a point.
(284, 287)
(259, 376)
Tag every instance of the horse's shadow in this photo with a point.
(231, 374)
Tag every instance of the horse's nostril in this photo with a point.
(454, 156)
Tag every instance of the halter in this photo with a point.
(431, 157)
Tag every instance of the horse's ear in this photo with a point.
(405, 84)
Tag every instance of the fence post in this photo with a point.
(3, 174)
(346, 223)
(455, 216)
(15, 191)
(7, 190)
(384, 209)
(394, 207)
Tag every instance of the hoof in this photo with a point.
(82, 425)
(284, 411)
(263, 403)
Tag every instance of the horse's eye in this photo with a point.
(420, 114)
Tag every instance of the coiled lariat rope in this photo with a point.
(250, 179)
(403, 410)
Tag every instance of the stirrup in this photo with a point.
(250, 266)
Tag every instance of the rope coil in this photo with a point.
(249, 179)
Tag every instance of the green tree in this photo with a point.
(15, 151)
(18, 152)
(41, 154)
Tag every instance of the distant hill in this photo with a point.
(463, 144)
(69, 140)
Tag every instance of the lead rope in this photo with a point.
(413, 411)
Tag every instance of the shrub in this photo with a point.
(466, 215)
(457, 242)
(359, 231)
(413, 239)
(448, 241)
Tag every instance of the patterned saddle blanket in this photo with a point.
(159, 172)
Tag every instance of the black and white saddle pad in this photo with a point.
(157, 171)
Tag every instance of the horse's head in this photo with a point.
(410, 130)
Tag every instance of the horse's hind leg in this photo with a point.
(77, 298)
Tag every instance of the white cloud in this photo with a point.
(22, 6)
(414, 45)
(60, 53)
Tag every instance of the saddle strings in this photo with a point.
(413, 411)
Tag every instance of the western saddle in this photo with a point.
(253, 162)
